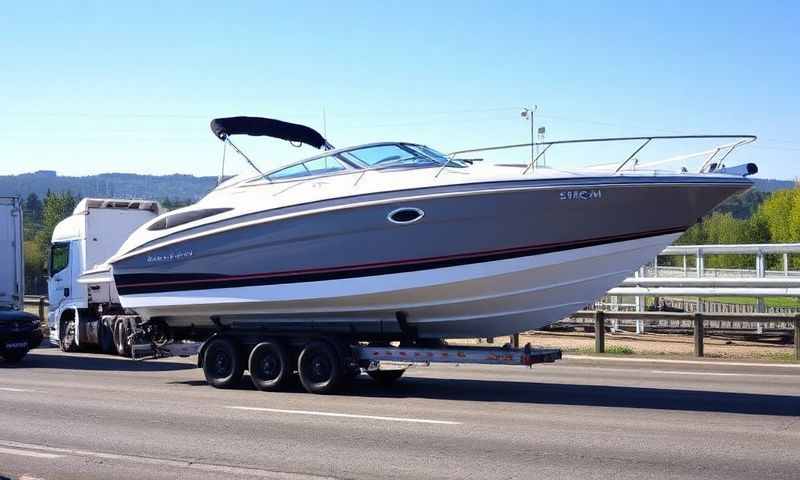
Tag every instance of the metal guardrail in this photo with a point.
(697, 281)
(698, 320)
(37, 301)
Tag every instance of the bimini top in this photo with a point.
(257, 126)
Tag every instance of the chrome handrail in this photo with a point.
(743, 140)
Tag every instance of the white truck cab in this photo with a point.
(81, 242)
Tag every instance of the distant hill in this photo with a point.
(174, 187)
(770, 185)
(119, 185)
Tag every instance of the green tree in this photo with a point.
(56, 207)
(777, 212)
(32, 215)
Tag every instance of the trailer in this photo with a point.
(19, 331)
(86, 313)
(326, 361)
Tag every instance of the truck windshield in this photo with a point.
(59, 257)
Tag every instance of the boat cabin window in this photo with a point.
(59, 257)
(317, 166)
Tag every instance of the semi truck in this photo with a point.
(19, 331)
(85, 312)
(88, 315)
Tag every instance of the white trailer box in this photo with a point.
(19, 331)
(12, 276)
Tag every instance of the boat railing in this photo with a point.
(707, 167)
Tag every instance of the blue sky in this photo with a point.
(98, 87)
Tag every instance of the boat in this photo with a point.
(396, 237)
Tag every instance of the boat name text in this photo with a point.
(581, 195)
(169, 257)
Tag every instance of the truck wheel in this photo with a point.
(222, 364)
(386, 378)
(106, 338)
(67, 342)
(269, 366)
(122, 332)
(320, 368)
(14, 356)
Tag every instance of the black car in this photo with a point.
(19, 332)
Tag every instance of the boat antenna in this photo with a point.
(250, 162)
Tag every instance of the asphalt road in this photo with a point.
(84, 416)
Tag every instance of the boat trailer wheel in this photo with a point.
(222, 364)
(320, 368)
(269, 366)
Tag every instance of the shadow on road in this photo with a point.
(561, 394)
(583, 395)
(82, 362)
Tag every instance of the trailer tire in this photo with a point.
(14, 356)
(222, 363)
(105, 338)
(269, 366)
(320, 368)
(122, 332)
(67, 336)
(386, 378)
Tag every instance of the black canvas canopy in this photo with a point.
(257, 126)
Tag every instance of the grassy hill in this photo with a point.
(119, 185)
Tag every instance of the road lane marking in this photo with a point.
(682, 362)
(345, 415)
(17, 390)
(720, 374)
(28, 453)
(180, 464)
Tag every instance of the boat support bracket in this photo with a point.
(409, 332)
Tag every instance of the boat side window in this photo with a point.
(59, 257)
(317, 166)
(181, 217)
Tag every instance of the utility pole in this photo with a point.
(541, 132)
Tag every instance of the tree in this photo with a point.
(56, 207)
(32, 215)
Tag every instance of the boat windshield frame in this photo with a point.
(419, 156)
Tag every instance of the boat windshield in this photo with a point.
(378, 156)
(394, 155)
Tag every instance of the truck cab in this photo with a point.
(81, 243)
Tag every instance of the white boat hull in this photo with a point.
(485, 299)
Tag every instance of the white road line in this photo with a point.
(719, 374)
(28, 453)
(233, 472)
(681, 362)
(345, 415)
(18, 390)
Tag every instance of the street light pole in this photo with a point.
(530, 114)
